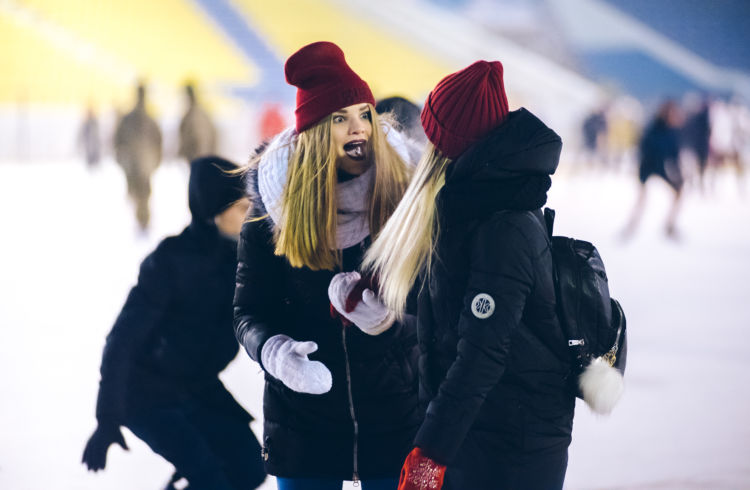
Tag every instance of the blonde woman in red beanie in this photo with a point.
(492, 362)
(340, 399)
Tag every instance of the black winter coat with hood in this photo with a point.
(493, 360)
(364, 426)
(174, 334)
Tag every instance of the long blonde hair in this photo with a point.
(404, 246)
(306, 233)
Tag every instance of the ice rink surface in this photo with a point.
(70, 252)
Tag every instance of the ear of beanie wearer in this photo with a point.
(325, 83)
(464, 107)
(213, 186)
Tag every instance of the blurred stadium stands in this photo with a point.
(561, 61)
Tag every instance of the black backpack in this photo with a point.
(592, 321)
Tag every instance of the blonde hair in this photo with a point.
(306, 233)
(405, 245)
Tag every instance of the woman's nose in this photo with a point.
(357, 126)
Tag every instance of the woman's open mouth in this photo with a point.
(356, 150)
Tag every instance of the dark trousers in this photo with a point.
(542, 472)
(213, 450)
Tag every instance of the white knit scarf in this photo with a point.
(352, 196)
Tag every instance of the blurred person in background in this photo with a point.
(730, 134)
(89, 139)
(162, 359)
(197, 131)
(696, 136)
(594, 133)
(272, 121)
(138, 150)
(660, 157)
(623, 132)
(340, 400)
(493, 358)
(406, 115)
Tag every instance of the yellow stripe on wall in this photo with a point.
(165, 41)
(389, 65)
(37, 71)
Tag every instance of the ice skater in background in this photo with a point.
(493, 359)
(594, 133)
(197, 131)
(340, 400)
(174, 335)
(137, 145)
(730, 137)
(696, 136)
(660, 157)
(89, 139)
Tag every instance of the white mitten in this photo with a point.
(286, 360)
(370, 315)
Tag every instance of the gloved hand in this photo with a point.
(369, 315)
(286, 360)
(421, 473)
(95, 453)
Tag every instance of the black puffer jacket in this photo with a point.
(493, 362)
(337, 435)
(174, 333)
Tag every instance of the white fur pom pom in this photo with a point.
(601, 385)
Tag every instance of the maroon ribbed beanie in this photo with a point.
(464, 107)
(324, 82)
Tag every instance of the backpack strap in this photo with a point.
(545, 224)
(549, 220)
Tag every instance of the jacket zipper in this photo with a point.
(355, 476)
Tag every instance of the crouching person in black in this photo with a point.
(171, 340)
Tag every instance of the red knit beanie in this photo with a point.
(464, 107)
(324, 82)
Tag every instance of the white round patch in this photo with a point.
(482, 306)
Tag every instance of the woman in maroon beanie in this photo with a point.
(340, 400)
(493, 361)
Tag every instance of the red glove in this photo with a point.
(354, 297)
(335, 314)
(421, 473)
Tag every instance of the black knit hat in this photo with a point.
(213, 187)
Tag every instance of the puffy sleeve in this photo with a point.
(258, 294)
(144, 309)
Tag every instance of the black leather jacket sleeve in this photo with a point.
(501, 266)
(257, 293)
(144, 308)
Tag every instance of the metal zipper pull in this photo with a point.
(574, 342)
